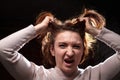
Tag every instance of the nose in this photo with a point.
(70, 52)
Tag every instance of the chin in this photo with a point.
(69, 69)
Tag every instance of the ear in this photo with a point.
(52, 50)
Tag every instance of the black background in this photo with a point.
(17, 14)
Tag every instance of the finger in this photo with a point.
(92, 22)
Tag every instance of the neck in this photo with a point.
(68, 75)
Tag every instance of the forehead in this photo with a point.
(68, 36)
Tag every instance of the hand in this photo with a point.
(44, 24)
(91, 26)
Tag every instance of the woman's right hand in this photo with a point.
(44, 24)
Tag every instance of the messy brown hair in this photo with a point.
(47, 37)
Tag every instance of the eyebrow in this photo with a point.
(79, 43)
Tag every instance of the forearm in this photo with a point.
(16, 64)
(93, 31)
(110, 38)
(112, 64)
(12, 43)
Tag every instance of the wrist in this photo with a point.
(94, 31)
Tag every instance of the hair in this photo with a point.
(95, 18)
(47, 37)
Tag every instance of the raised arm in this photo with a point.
(16, 64)
(111, 66)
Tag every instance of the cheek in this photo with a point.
(59, 56)
(79, 54)
(58, 52)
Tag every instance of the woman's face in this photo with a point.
(68, 50)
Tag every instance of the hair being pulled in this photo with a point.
(47, 37)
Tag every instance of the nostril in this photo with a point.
(70, 52)
(70, 55)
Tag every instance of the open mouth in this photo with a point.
(69, 61)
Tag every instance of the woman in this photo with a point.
(65, 46)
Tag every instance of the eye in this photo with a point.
(62, 46)
(76, 46)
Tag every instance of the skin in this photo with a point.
(68, 50)
(66, 44)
